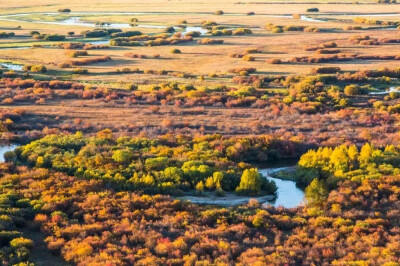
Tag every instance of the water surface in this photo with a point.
(12, 66)
(288, 194)
(6, 148)
(77, 21)
(391, 89)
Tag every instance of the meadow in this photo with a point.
(199, 133)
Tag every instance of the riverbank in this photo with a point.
(288, 195)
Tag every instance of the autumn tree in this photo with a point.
(250, 182)
(316, 192)
(122, 156)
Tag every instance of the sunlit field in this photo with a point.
(199, 132)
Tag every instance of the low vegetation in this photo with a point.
(122, 122)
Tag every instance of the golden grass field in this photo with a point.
(195, 59)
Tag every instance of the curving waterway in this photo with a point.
(77, 21)
(288, 195)
(75, 17)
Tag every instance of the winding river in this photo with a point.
(77, 21)
(288, 195)
(75, 17)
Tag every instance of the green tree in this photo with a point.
(250, 182)
(39, 68)
(21, 242)
(200, 187)
(217, 178)
(366, 154)
(316, 192)
(173, 174)
(209, 183)
(122, 156)
(339, 158)
(158, 163)
(105, 134)
(351, 89)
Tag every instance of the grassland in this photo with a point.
(124, 109)
(199, 65)
(204, 60)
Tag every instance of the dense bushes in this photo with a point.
(341, 57)
(281, 29)
(123, 42)
(351, 90)
(241, 31)
(48, 37)
(131, 228)
(54, 37)
(80, 71)
(325, 70)
(35, 68)
(90, 60)
(210, 41)
(274, 61)
(15, 210)
(64, 10)
(193, 34)
(248, 58)
(133, 55)
(38, 68)
(160, 170)
(221, 32)
(126, 34)
(77, 53)
(155, 40)
(4, 35)
(347, 162)
(252, 183)
(99, 33)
